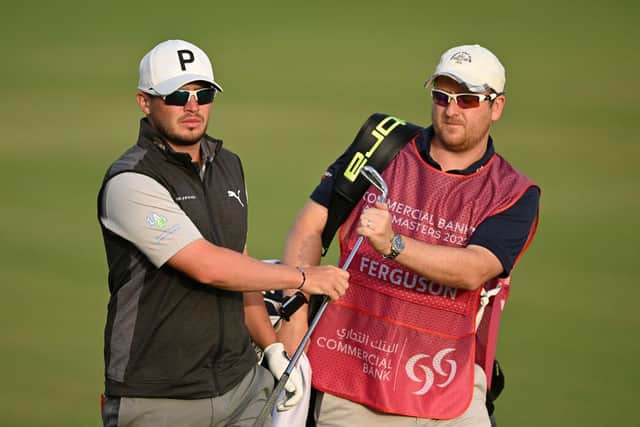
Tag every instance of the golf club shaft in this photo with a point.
(374, 178)
(318, 315)
(271, 402)
(268, 407)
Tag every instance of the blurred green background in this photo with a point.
(299, 81)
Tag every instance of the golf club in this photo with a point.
(377, 181)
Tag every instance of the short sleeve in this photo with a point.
(140, 210)
(506, 233)
(322, 193)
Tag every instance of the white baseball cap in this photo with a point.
(172, 64)
(472, 65)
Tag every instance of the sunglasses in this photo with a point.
(182, 97)
(464, 100)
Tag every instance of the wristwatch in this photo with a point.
(397, 246)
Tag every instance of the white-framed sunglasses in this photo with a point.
(464, 100)
(181, 97)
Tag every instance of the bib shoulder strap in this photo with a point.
(377, 142)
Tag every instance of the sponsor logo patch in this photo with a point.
(460, 57)
(424, 374)
(156, 220)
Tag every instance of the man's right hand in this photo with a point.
(326, 280)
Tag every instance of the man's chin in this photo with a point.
(187, 139)
(453, 142)
(183, 143)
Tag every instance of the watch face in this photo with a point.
(397, 246)
(397, 243)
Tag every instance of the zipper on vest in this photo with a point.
(218, 349)
(199, 174)
(216, 353)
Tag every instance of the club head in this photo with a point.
(376, 180)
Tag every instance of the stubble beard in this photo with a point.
(177, 139)
(460, 142)
(454, 143)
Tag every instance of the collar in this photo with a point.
(209, 147)
(423, 144)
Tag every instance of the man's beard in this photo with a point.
(176, 139)
(460, 144)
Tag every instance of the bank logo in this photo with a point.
(424, 374)
(156, 220)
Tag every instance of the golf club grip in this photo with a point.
(271, 402)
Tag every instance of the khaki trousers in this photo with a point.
(239, 407)
(333, 411)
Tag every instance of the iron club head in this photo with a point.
(376, 180)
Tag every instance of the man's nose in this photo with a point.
(452, 107)
(192, 104)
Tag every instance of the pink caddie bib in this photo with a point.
(398, 342)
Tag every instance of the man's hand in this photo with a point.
(326, 280)
(375, 224)
(277, 361)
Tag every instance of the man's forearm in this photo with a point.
(304, 241)
(257, 320)
(303, 247)
(465, 268)
(226, 269)
(457, 267)
(230, 270)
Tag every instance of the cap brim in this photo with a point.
(171, 85)
(458, 78)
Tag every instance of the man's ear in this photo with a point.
(144, 102)
(496, 107)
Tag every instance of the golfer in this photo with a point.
(173, 213)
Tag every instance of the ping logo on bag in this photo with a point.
(359, 159)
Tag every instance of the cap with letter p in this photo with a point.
(472, 65)
(172, 64)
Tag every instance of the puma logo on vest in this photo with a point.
(235, 195)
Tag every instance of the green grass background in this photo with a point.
(299, 80)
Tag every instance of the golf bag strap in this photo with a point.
(377, 142)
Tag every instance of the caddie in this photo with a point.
(413, 340)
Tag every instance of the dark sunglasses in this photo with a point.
(464, 100)
(181, 97)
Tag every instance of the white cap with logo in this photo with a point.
(172, 64)
(472, 65)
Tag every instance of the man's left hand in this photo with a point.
(277, 361)
(375, 224)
